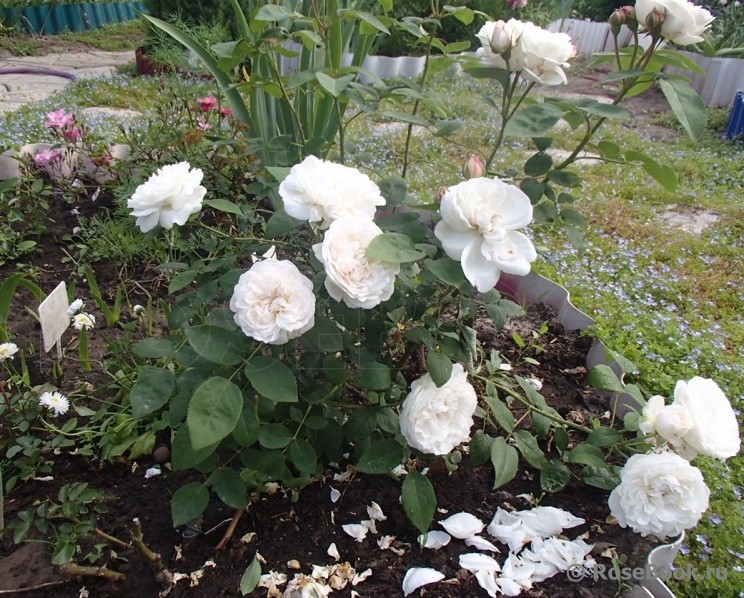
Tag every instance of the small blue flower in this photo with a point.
(714, 519)
(737, 491)
(684, 549)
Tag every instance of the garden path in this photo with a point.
(18, 89)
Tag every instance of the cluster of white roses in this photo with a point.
(538, 55)
(661, 493)
(680, 21)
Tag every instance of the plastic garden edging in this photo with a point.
(45, 20)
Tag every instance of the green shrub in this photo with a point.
(596, 10)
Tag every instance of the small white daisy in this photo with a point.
(55, 401)
(75, 307)
(7, 351)
(83, 320)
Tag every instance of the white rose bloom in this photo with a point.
(273, 302)
(83, 320)
(714, 431)
(497, 37)
(7, 351)
(350, 276)
(320, 191)
(647, 422)
(684, 24)
(55, 401)
(480, 218)
(542, 55)
(659, 494)
(673, 423)
(168, 197)
(435, 420)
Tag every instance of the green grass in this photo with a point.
(114, 37)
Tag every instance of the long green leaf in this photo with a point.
(240, 20)
(687, 106)
(240, 110)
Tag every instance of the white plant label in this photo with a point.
(53, 316)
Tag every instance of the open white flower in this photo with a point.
(168, 197)
(75, 307)
(684, 22)
(462, 525)
(273, 302)
(714, 430)
(435, 420)
(542, 55)
(55, 401)
(480, 218)
(351, 277)
(7, 351)
(659, 494)
(539, 55)
(83, 320)
(320, 191)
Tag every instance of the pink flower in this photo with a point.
(226, 112)
(104, 160)
(72, 134)
(59, 118)
(516, 4)
(202, 124)
(47, 156)
(208, 103)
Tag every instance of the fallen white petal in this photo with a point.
(400, 470)
(152, 472)
(272, 578)
(487, 580)
(474, 562)
(375, 512)
(360, 577)
(248, 538)
(434, 540)
(335, 495)
(293, 564)
(370, 525)
(462, 525)
(480, 544)
(322, 572)
(385, 542)
(333, 552)
(420, 576)
(356, 531)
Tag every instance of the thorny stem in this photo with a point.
(139, 543)
(77, 570)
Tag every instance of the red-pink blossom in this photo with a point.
(226, 112)
(202, 124)
(208, 103)
(72, 134)
(47, 156)
(59, 118)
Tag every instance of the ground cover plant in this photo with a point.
(390, 332)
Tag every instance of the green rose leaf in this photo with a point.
(373, 376)
(440, 367)
(605, 477)
(419, 500)
(505, 462)
(394, 248)
(447, 270)
(381, 456)
(604, 437)
(184, 456)
(272, 379)
(229, 487)
(480, 448)
(687, 106)
(213, 411)
(527, 445)
(554, 477)
(302, 454)
(151, 391)
(394, 190)
(217, 344)
(188, 503)
(501, 413)
(586, 454)
(274, 436)
(252, 574)
(534, 121)
(602, 376)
